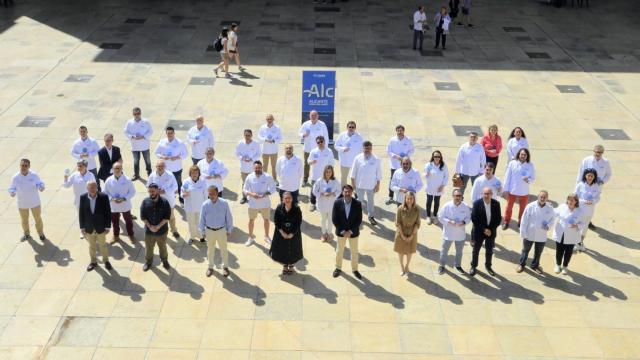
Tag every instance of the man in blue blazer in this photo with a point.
(347, 218)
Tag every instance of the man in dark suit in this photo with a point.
(486, 217)
(347, 218)
(107, 155)
(94, 213)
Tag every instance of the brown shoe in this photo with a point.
(519, 269)
(225, 271)
(114, 240)
(538, 270)
(132, 239)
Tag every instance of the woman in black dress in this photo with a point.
(286, 247)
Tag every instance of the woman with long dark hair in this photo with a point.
(286, 247)
(436, 174)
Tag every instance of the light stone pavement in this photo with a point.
(50, 308)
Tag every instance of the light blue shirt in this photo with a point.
(215, 215)
(92, 203)
(347, 207)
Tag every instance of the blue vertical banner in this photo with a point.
(318, 93)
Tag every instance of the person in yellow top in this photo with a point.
(407, 225)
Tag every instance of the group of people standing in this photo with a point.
(441, 21)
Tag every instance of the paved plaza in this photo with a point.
(570, 77)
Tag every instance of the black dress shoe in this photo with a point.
(505, 226)
(472, 271)
(209, 272)
(372, 220)
(490, 271)
(460, 270)
(202, 240)
(165, 264)
(357, 275)
(440, 270)
(108, 266)
(43, 237)
(176, 234)
(91, 266)
(135, 177)
(146, 267)
(243, 200)
(336, 273)
(591, 226)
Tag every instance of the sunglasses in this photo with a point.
(351, 127)
(319, 142)
(487, 193)
(457, 195)
(437, 157)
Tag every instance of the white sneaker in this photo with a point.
(429, 221)
(557, 269)
(267, 240)
(249, 241)
(436, 221)
(564, 271)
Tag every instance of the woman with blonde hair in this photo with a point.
(194, 191)
(567, 232)
(326, 189)
(492, 144)
(407, 225)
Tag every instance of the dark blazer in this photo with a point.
(340, 220)
(105, 163)
(101, 217)
(479, 219)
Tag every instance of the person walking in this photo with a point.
(120, 191)
(286, 247)
(319, 158)
(155, 212)
(25, 184)
(194, 190)
(442, 21)
(216, 225)
(519, 175)
(602, 166)
(466, 13)
(535, 224)
(588, 191)
(232, 45)
(270, 136)
(436, 176)
(223, 40)
(289, 169)
(419, 23)
(94, 218)
(407, 226)
(455, 215)
(139, 131)
(347, 219)
(567, 232)
(201, 138)
(486, 217)
(326, 190)
(492, 144)
(348, 145)
(366, 174)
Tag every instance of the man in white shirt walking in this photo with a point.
(270, 136)
(26, 184)
(348, 145)
(419, 23)
(247, 151)
(120, 191)
(200, 137)
(399, 146)
(454, 216)
(213, 170)
(86, 148)
(366, 174)
(289, 168)
(319, 157)
(139, 131)
(232, 45)
(309, 131)
(258, 187)
(487, 180)
(601, 164)
(470, 161)
(167, 187)
(172, 150)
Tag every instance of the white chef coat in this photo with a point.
(401, 148)
(200, 140)
(120, 188)
(437, 177)
(588, 193)
(261, 185)
(471, 159)
(194, 193)
(409, 180)
(324, 157)
(272, 133)
(325, 202)
(173, 148)
(89, 146)
(26, 189)
(366, 172)
(352, 143)
(289, 172)
(213, 168)
(602, 166)
(456, 213)
(534, 218)
(514, 145)
(513, 178)
(563, 226)
(142, 128)
(166, 182)
(314, 130)
(79, 183)
(419, 19)
(251, 152)
(481, 183)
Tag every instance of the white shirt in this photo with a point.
(514, 177)
(419, 18)
(351, 143)
(314, 130)
(272, 133)
(401, 148)
(487, 210)
(142, 128)
(247, 154)
(200, 140)
(602, 166)
(451, 212)
(566, 218)
(26, 188)
(173, 148)
(322, 186)
(194, 193)
(323, 158)
(436, 178)
(289, 172)
(588, 193)
(89, 146)
(261, 185)
(210, 169)
(366, 172)
(120, 188)
(534, 220)
(481, 183)
(166, 182)
(232, 40)
(409, 180)
(79, 183)
(470, 160)
(514, 145)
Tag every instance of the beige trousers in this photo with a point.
(193, 219)
(353, 246)
(219, 237)
(24, 217)
(270, 159)
(344, 175)
(97, 240)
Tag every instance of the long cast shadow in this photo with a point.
(178, 283)
(617, 238)
(583, 286)
(503, 290)
(311, 286)
(613, 263)
(433, 289)
(46, 251)
(241, 288)
(113, 281)
(375, 291)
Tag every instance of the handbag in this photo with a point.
(456, 179)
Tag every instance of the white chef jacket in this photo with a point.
(513, 178)
(534, 218)
(514, 145)
(324, 158)
(602, 167)
(120, 188)
(319, 129)
(247, 151)
(409, 180)
(366, 172)
(261, 185)
(401, 148)
(353, 143)
(173, 148)
(470, 160)
(325, 202)
(79, 183)
(200, 140)
(26, 188)
(166, 182)
(194, 193)
(481, 183)
(89, 146)
(437, 177)
(142, 128)
(210, 169)
(458, 213)
(272, 133)
(417, 18)
(588, 193)
(289, 172)
(563, 226)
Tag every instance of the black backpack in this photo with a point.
(218, 44)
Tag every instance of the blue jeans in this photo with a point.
(136, 161)
(370, 203)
